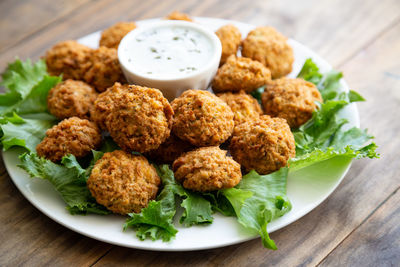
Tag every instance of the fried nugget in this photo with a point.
(270, 47)
(138, 119)
(244, 106)
(207, 169)
(230, 38)
(264, 144)
(239, 73)
(291, 99)
(123, 183)
(68, 58)
(202, 118)
(112, 36)
(104, 104)
(71, 136)
(176, 15)
(105, 69)
(71, 98)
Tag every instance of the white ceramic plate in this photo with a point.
(306, 188)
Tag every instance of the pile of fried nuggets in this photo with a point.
(95, 98)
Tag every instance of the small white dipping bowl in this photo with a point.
(172, 82)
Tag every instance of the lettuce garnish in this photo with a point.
(255, 201)
(68, 178)
(258, 199)
(156, 220)
(326, 134)
(26, 88)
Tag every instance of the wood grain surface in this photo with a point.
(358, 225)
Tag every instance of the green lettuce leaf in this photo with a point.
(20, 77)
(258, 199)
(328, 83)
(156, 220)
(26, 88)
(310, 72)
(68, 178)
(26, 133)
(197, 210)
(36, 101)
(324, 135)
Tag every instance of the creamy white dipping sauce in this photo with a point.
(169, 52)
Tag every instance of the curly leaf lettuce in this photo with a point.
(25, 98)
(156, 220)
(26, 133)
(328, 83)
(310, 72)
(323, 136)
(20, 77)
(258, 199)
(26, 88)
(68, 178)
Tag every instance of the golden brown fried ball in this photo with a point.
(202, 118)
(138, 118)
(270, 47)
(239, 73)
(68, 58)
(104, 104)
(264, 144)
(71, 98)
(71, 136)
(207, 169)
(291, 99)
(230, 38)
(112, 36)
(244, 106)
(176, 15)
(168, 151)
(123, 183)
(105, 69)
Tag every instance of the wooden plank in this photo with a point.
(19, 19)
(306, 241)
(375, 243)
(30, 238)
(335, 29)
(368, 183)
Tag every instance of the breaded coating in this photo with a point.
(291, 99)
(71, 136)
(71, 98)
(176, 15)
(139, 119)
(105, 69)
(112, 36)
(168, 151)
(270, 47)
(264, 144)
(239, 73)
(123, 183)
(104, 104)
(202, 118)
(244, 106)
(68, 58)
(230, 38)
(207, 169)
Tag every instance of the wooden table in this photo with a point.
(357, 225)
